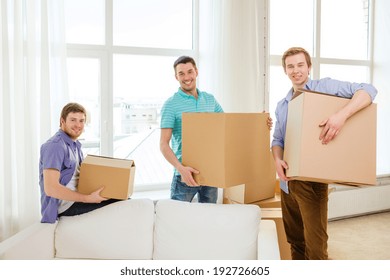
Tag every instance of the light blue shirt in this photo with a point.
(326, 85)
(179, 103)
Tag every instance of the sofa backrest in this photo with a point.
(191, 231)
(35, 242)
(121, 230)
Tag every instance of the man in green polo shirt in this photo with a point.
(187, 99)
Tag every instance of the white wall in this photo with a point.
(381, 80)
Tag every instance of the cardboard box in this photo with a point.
(350, 158)
(234, 195)
(274, 202)
(277, 185)
(230, 149)
(276, 215)
(116, 175)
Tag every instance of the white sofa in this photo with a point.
(139, 229)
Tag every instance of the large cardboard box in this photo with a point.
(350, 158)
(275, 214)
(116, 175)
(230, 149)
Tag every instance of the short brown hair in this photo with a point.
(72, 107)
(183, 60)
(294, 51)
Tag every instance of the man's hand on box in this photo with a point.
(95, 197)
(186, 176)
(331, 127)
(281, 167)
(269, 123)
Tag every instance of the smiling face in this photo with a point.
(73, 125)
(186, 74)
(297, 70)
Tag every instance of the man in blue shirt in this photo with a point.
(187, 99)
(59, 168)
(305, 204)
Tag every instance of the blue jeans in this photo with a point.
(180, 191)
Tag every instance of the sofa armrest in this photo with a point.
(34, 242)
(267, 243)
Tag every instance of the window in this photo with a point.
(82, 25)
(153, 23)
(291, 24)
(84, 81)
(344, 29)
(120, 67)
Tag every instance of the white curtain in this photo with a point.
(232, 54)
(32, 92)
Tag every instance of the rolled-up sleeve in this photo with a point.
(280, 125)
(167, 115)
(277, 137)
(341, 88)
(52, 156)
(370, 89)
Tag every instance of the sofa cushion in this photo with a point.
(203, 231)
(121, 230)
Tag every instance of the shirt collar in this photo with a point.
(290, 94)
(307, 86)
(182, 93)
(68, 140)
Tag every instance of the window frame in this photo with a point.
(105, 54)
(317, 60)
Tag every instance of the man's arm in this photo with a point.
(280, 164)
(54, 189)
(333, 125)
(185, 171)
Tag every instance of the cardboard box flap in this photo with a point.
(108, 161)
(302, 90)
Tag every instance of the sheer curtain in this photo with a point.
(232, 53)
(32, 92)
